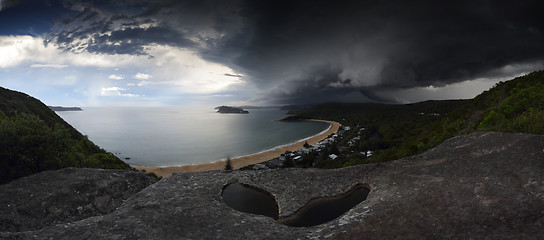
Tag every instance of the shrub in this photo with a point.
(228, 165)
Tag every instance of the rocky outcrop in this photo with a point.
(226, 109)
(478, 186)
(56, 197)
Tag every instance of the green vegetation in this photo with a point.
(391, 132)
(228, 165)
(33, 139)
(226, 109)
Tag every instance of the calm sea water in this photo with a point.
(176, 137)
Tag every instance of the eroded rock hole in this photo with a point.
(249, 199)
(322, 210)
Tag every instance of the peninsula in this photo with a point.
(59, 108)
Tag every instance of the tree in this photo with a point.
(306, 145)
(228, 165)
(288, 162)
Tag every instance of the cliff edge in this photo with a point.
(477, 186)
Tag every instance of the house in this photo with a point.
(333, 156)
(275, 163)
(354, 140)
(297, 158)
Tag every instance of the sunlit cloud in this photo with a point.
(142, 76)
(115, 91)
(48, 65)
(17, 50)
(170, 70)
(184, 71)
(115, 77)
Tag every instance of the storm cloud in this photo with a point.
(309, 51)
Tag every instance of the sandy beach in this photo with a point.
(245, 160)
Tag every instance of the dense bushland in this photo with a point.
(397, 131)
(33, 139)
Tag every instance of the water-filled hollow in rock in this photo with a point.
(322, 210)
(250, 199)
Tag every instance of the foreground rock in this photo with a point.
(479, 186)
(52, 197)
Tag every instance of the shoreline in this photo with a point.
(243, 161)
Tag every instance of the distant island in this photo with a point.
(226, 109)
(59, 108)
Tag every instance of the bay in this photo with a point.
(181, 136)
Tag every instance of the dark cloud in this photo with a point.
(307, 51)
(233, 75)
(8, 3)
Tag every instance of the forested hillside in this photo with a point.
(33, 138)
(396, 131)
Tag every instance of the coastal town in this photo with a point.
(333, 149)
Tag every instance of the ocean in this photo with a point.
(179, 136)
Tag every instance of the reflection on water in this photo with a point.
(323, 210)
(250, 199)
(178, 136)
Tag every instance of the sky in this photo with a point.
(178, 53)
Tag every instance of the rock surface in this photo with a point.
(62, 196)
(479, 186)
